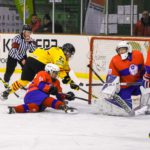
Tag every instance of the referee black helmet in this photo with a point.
(26, 28)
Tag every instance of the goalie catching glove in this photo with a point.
(67, 80)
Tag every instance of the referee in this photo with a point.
(18, 53)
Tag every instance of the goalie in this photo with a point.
(127, 65)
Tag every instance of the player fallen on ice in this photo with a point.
(38, 96)
(128, 67)
(37, 61)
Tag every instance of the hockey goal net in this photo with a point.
(102, 49)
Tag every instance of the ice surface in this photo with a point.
(55, 130)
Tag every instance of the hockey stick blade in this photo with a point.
(72, 110)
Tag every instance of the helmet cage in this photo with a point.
(124, 44)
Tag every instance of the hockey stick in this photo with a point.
(73, 76)
(75, 79)
(84, 99)
(81, 84)
(88, 92)
(112, 84)
(116, 97)
(7, 86)
(95, 73)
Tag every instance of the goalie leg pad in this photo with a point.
(106, 107)
(113, 102)
(126, 93)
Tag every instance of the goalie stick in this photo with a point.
(116, 97)
(112, 84)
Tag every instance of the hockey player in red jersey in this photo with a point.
(37, 98)
(129, 66)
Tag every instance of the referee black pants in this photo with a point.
(10, 68)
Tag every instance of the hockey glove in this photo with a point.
(66, 80)
(146, 81)
(70, 96)
(74, 86)
(53, 90)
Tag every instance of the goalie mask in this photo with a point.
(52, 69)
(68, 49)
(123, 49)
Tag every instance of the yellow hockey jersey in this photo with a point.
(53, 55)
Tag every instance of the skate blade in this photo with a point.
(72, 111)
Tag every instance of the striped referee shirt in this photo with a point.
(20, 47)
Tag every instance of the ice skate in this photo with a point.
(11, 110)
(4, 95)
(69, 109)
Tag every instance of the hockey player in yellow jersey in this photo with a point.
(37, 61)
(53, 55)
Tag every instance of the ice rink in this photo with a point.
(55, 130)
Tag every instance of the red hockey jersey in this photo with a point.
(129, 70)
(43, 82)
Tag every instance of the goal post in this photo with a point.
(102, 49)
